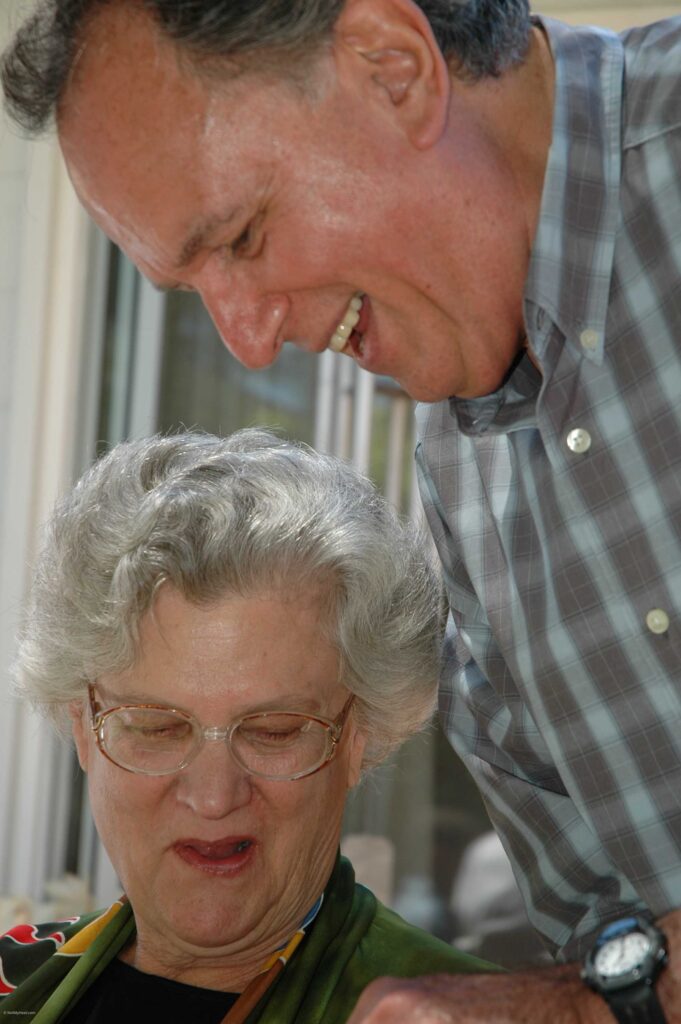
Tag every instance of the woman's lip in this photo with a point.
(220, 857)
(216, 847)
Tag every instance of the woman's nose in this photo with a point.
(214, 785)
(249, 324)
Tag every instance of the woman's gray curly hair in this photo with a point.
(244, 515)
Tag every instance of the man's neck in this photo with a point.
(517, 111)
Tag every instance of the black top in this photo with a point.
(123, 994)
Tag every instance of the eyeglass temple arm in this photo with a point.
(94, 707)
(339, 724)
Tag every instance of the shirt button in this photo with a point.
(590, 339)
(657, 621)
(579, 441)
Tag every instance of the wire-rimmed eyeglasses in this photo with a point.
(149, 739)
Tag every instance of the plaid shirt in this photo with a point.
(555, 504)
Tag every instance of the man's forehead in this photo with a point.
(120, 48)
(124, 36)
(129, 73)
(121, 30)
(130, 103)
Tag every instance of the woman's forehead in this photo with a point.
(232, 655)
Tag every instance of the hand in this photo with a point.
(555, 995)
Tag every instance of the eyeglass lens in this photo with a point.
(154, 741)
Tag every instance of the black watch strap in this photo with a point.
(636, 1004)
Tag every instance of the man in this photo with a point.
(486, 208)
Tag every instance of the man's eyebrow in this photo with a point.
(199, 238)
(193, 246)
(196, 241)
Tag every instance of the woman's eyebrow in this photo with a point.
(130, 698)
(293, 702)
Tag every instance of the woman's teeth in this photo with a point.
(341, 335)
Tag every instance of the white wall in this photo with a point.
(614, 14)
(43, 248)
(12, 173)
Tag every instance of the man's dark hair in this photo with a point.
(479, 37)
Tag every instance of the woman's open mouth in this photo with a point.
(222, 857)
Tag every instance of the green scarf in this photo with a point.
(354, 940)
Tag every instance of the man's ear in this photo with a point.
(391, 44)
(80, 731)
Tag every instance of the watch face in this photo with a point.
(623, 954)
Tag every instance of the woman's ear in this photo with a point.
(78, 713)
(355, 756)
(390, 49)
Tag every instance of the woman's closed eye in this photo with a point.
(148, 729)
(268, 736)
(161, 731)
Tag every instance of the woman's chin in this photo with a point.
(215, 928)
(200, 912)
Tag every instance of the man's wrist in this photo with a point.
(669, 983)
(623, 969)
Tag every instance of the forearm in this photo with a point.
(552, 995)
(669, 983)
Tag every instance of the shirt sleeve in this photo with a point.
(570, 887)
(569, 884)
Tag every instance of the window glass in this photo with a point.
(203, 385)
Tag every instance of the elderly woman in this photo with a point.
(235, 630)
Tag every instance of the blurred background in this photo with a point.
(90, 354)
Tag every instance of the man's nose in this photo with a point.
(249, 324)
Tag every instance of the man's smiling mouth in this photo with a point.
(346, 328)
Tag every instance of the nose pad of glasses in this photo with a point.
(214, 732)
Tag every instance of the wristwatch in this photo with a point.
(623, 967)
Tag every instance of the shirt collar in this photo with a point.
(511, 407)
(572, 255)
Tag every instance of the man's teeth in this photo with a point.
(341, 335)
